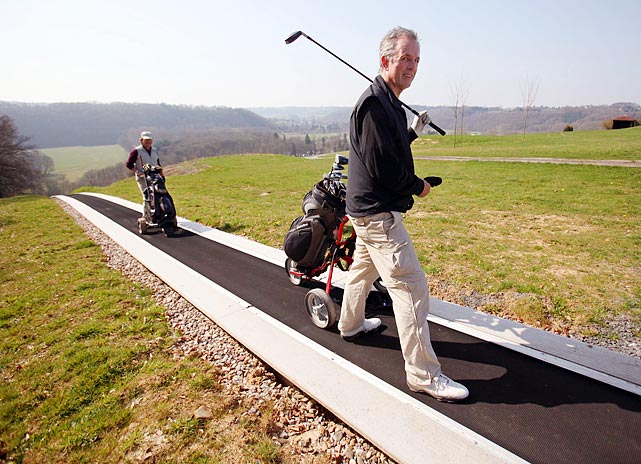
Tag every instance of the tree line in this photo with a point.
(177, 146)
(24, 170)
(89, 124)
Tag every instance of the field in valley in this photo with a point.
(73, 162)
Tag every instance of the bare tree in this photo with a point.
(455, 99)
(465, 90)
(528, 91)
(21, 168)
(458, 96)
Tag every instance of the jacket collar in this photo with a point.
(382, 85)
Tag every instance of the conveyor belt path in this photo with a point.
(538, 411)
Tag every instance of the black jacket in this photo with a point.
(381, 167)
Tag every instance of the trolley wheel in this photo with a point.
(290, 267)
(378, 285)
(142, 226)
(320, 308)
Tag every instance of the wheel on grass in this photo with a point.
(292, 272)
(320, 308)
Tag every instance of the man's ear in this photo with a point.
(384, 62)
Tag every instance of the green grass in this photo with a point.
(561, 243)
(73, 162)
(87, 370)
(623, 144)
(80, 343)
(569, 235)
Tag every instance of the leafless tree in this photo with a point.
(528, 91)
(21, 168)
(458, 95)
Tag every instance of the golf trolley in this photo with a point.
(320, 240)
(158, 209)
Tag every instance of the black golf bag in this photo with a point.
(159, 210)
(310, 236)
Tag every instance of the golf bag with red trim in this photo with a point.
(310, 235)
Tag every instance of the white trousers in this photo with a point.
(383, 247)
(142, 185)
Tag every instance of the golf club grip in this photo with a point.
(431, 124)
(437, 129)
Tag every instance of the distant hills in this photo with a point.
(498, 121)
(87, 124)
(540, 119)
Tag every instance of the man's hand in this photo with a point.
(420, 121)
(426, 189)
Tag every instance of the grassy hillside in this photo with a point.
(88, 369)
(73, 162)
(557, 245)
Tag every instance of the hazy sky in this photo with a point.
(232, 53)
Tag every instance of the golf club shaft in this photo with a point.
(295, 35)
(338, 58)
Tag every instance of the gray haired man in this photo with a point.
(381, 187)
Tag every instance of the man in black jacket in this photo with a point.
(381, 186)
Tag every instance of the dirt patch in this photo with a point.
(526, 308)
(185, 168)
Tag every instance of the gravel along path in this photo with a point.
(305, 427)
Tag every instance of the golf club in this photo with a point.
(297, 34)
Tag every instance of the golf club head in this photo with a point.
(340, 159)
(293, 36)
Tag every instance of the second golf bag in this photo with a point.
(159, 210)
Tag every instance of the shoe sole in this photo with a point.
(442, 399)
(353, 338)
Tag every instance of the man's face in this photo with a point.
(400, 69)
(146, 143)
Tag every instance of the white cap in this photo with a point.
(146, 135)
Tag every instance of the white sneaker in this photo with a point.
(368, 326)
(443, 389)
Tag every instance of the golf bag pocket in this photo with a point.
(330, 205)
(306, 241)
